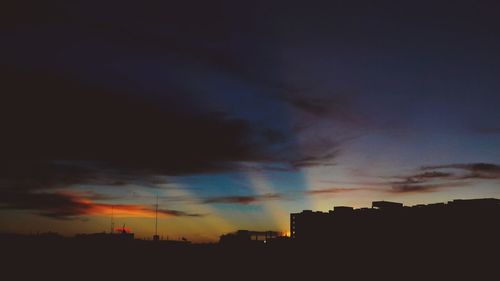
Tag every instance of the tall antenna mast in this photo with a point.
(156, 237)
(156, 218)
(112, 219)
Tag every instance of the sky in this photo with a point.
(235, 114)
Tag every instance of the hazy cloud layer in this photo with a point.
(427, 179)
(335, 190)
(470, 170)
(250, 199)
(435, 178)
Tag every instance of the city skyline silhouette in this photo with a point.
(311, 226)
(438, 237)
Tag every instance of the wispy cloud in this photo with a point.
(430, 175)
(389, 187)
(245, 200)
(318, 160)
(336, 190)
(438, 177)
(471, 170)
(338, 107)
(420, 187)
(419, 182)
(422, 182)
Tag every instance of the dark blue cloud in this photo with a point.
(184, 88)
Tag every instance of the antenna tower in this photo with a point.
(112, 230)
(156, 237)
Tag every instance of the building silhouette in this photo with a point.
(245, 237)
(122, 235)
(393, 223)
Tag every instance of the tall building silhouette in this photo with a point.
(391, 222)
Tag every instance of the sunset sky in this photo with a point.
(236, 115)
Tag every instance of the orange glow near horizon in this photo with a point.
(126, 229)
(122, 210)
(207, 229)
(88, 207)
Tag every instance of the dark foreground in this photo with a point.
(396, 258)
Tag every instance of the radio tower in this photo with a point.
(112, 230)
(156, 237)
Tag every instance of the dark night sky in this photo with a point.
(237, 114)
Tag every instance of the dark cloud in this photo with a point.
(177, 213)
(419, 187)
(424, 177)
(428, 181)
(434, 178)
(418, 182)
(334, 106)
(53, 205)
(53, 124)
(65, 205)
(318, 149)
(317, 160)
(60, 131)
(311, 105)
(432, 175)
(250, 199)
(471, 170)
(391, 187)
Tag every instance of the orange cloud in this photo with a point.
(67, 205)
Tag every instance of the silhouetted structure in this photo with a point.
(247, 237)
(385, 205)
(123, 235)
(393, 223)
(156, 237)
(434, 241)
